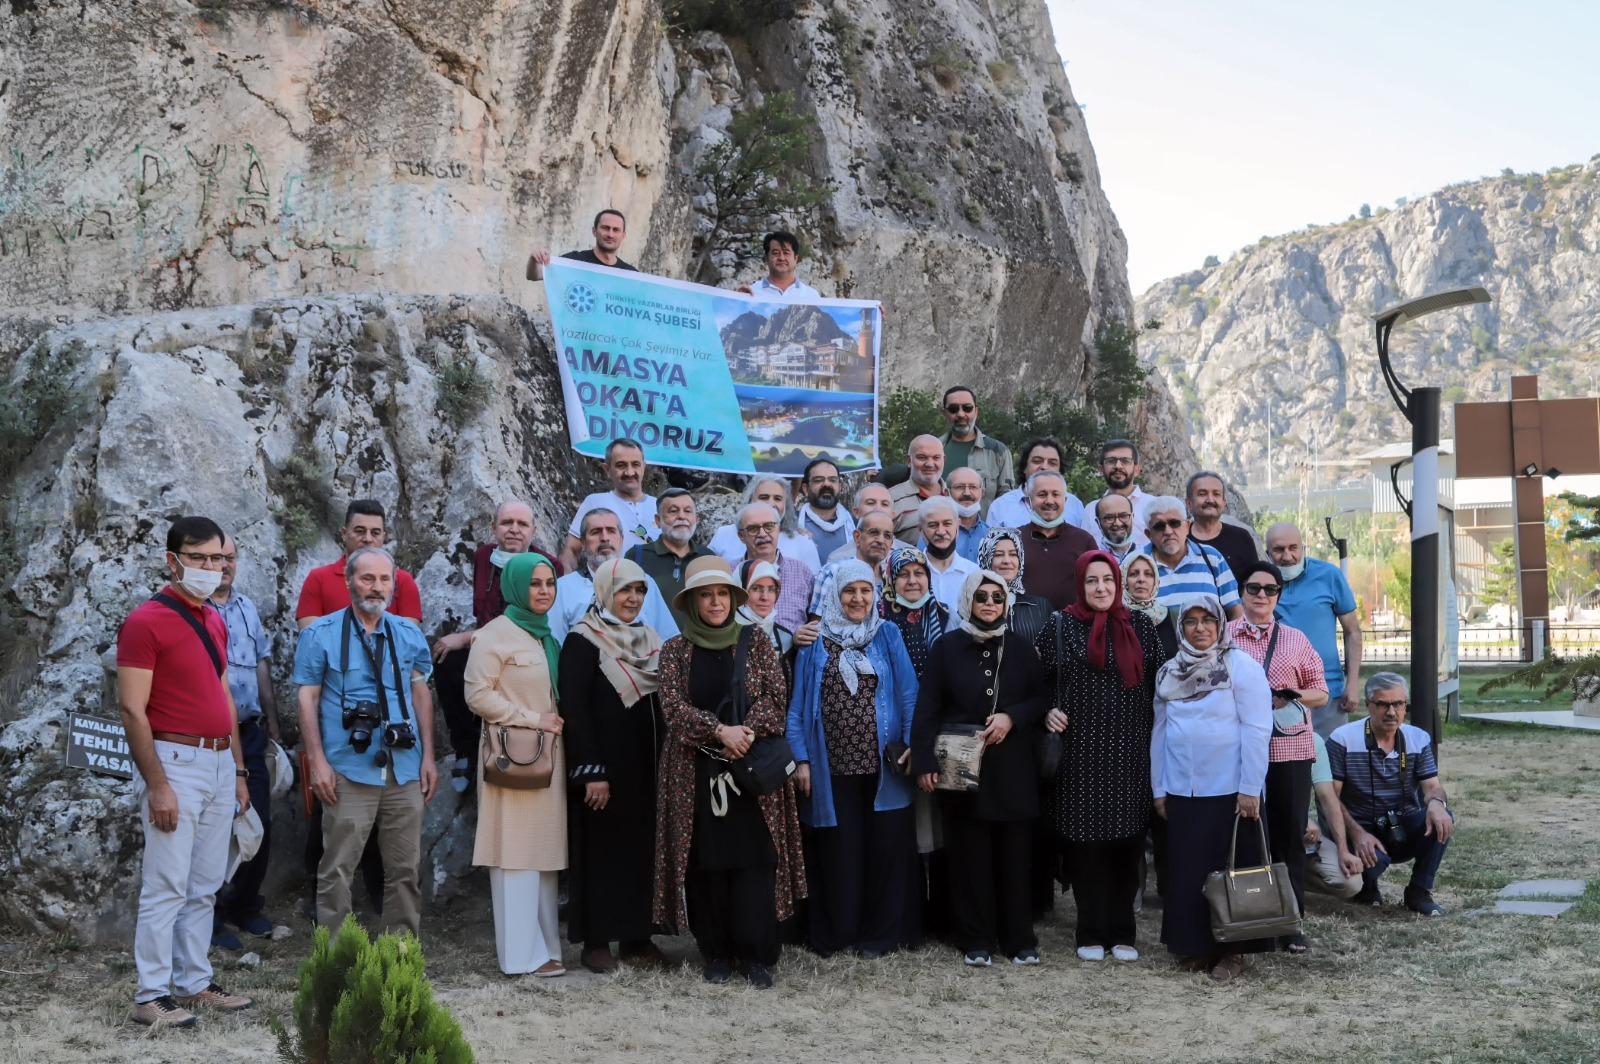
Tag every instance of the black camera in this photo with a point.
(361, 720)
(1391, 829)
(399, 736)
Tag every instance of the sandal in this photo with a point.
(1228, 968)
(1297, 945)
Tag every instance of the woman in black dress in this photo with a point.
(1000, 552)
(1099, 804)
(982, 674)
(614, 732)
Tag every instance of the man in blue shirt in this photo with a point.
(250, 681)
(1184, 567)
(1317, 600)
(366, 719)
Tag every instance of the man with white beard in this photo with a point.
(947, 570)
(665, 558)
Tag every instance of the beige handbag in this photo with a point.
(958, 750)
(1250, 903)
(522, 759)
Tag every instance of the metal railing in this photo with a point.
(1482, 644)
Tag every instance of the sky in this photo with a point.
(1217, 122)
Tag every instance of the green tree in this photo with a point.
(1500, 580)
(1365, 211)
(1397, 586)
(1569, 548)
(756, 174)
(1211, 262)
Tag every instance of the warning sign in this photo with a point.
(98, 745)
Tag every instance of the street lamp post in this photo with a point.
(1421, 407)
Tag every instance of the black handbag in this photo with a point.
(1053, 744)
(769, 763)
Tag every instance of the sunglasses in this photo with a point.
(960, 408)
(1263, 589)
(988, 598)
(1164, 526)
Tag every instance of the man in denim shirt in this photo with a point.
(366, 719)
(250, 680)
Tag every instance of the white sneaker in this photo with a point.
(1091, 953)
(1124, 953)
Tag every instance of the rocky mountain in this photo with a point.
(259, 257)
(796, 324)
(1279, 338)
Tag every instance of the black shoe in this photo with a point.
(759, 977)
(1369, 894)
(719, 971)
(1421, 902)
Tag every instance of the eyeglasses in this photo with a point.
(1263, 589)
(826, 480)
(1401, 704)
(959, 408)
(1207, 621)
(769, 528)
(1164, 526)
(986, 598)
(202, 559)
(1116, 519)
(1117, 462)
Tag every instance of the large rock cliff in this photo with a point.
(225, 228)
(1285, 325)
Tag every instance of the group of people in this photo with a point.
(760, 739)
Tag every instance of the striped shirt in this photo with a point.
(1373, 780)
(1203, 571)
(1296, 664)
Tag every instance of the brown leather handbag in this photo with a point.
(522, 759)
(1250, 903)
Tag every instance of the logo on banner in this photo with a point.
(580, 298)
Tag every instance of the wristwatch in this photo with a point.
(242, 773)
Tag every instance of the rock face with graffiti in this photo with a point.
(161, 155)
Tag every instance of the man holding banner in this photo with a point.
(704, 378)
(610, 229)
(781, 252)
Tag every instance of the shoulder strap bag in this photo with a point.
(199, 630)
(769, 763)
(958, 750)
(1289, 724)
(518, 758)
(1052, 744)
(1251, 903)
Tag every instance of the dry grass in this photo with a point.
(1377, 986)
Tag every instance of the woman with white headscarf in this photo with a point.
(982, 674)
(762, 585)
(614, 731)
(1141, 586)
(1208, 763)
(850, 730)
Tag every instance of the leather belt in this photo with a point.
(193, 740)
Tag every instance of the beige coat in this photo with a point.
(508, 682)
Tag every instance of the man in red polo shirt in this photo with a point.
(325, 590)
(183, 732)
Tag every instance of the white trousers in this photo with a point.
(527, 925)
(182, 870)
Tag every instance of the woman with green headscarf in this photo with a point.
(522, 834)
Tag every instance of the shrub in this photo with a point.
(303, 492)
(461, 392)
(368, 1001)
(28, 412)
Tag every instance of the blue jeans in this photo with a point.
(1426, 851)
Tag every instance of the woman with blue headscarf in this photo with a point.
(850, 730)
(908, 602)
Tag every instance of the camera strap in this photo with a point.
(374, 660)
(1399, 746)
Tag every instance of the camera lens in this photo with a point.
(360, 739)
(381, 758)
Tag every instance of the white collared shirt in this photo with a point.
(1215, 744)
(798, 289)
(946, 586)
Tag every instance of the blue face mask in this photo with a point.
(917, 605)
(1059, 521)
(1292, 572)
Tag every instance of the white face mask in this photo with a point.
(965, 512)
(498, 558)
(910, 605)
(1292, 572)
(1060, 520)
(199, 582)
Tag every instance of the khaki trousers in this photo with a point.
(396, 810)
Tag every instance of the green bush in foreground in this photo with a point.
(368, 1002)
